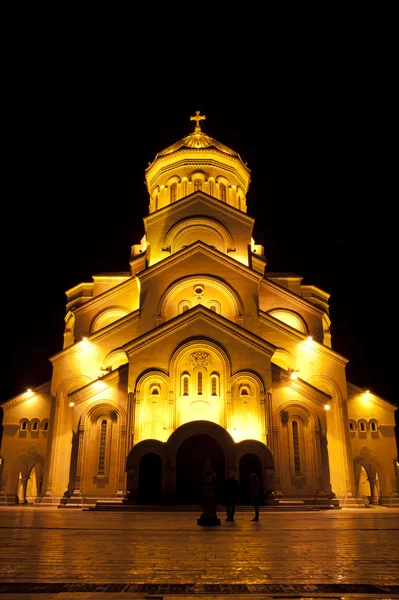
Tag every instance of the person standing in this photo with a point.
(255, 495)
(231, 491)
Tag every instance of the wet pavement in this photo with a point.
(51, 553)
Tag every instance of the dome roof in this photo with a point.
(197, 139)
(197, 163)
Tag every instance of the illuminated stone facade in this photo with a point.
(197, 359)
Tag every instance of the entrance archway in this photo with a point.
(250, 463)
(150, 479)
(196, 455)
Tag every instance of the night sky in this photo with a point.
(78, 199)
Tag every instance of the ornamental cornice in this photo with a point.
(199, 313)
(304, 389)
(198, 198)
(307, 390)
(25, 396)
(84, 393)
(198, 247)
(191, 155)
(354, 390)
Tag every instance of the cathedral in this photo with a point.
(197, 360)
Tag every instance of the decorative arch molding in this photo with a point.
(284, 359)
(248, 377)
(194, 427)
(198, 175)
(99, 408)
(173, 179)
(108, 316)
(200, 344)
(191, 230)
(222, 179)
(302, 409)
(151, 377)
(258, 448)
(143, 448)
(166, 303)
(326, 385)
(97, 454)
(115, 359)
(290, 318)
(71, 384)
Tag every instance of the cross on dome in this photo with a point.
(197, 118)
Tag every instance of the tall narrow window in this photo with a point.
(222, 188)
(214, 385)
(295, 439)
(173, 192)
(199, 383)
(103, 441)
(185, 386)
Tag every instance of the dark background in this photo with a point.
(82, 130)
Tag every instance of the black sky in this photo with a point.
(77, 198)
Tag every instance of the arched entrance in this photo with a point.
(150, 479)
(367, 482)
(250, 463)
(25, 481)
(371, 479)
(196, 455)
(190, 451)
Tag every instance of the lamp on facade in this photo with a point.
(293, 373)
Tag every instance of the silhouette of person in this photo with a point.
(231, 492)
(255, 495)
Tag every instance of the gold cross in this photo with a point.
(197, 118)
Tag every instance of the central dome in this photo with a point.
(197, 162)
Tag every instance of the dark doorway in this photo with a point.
(150, 479)
(195, 456)
(250, 463)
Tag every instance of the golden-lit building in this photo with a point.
(197, 359)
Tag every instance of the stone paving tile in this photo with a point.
(66, 546)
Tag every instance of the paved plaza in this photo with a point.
(51, 553)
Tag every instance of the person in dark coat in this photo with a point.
(255, 495)
(231, 493)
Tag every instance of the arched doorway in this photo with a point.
(368, 484)
(150, 479)
(196, 455)
(250, 463)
